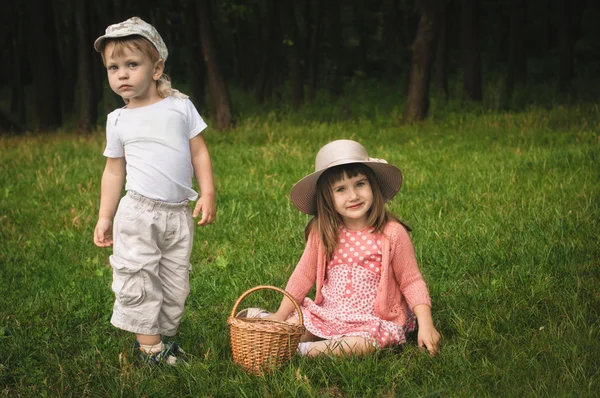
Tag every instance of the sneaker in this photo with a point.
(253, 313)
(172, 354)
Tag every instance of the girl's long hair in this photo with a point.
(327, 220)
(163, 84)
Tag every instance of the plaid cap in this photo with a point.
(134, 26)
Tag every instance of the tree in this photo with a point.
(196, 70)
(362, 30)
(242, 20)
(87, 97)
(17, 102)
(221, 103)
(291, 42)
(569, 14)
(517, 57)
(65, 26)
(313, 48)
(417, 103)
(269, 71)
(13, 42)
(441, 54)
(334, 39)
(472, 80)
(390, 40)
(43, 58)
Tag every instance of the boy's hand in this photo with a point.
(103, 233)
(206, 206)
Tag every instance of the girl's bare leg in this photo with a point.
(342, 346)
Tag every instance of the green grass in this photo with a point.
(505, 209)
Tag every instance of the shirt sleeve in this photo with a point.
(305, 274)
(195, 122)
(406, 270)
(114, 146)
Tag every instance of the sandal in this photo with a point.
(172, 354)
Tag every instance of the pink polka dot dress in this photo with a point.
(349, 291)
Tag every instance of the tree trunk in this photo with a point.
(313, 53)
(244, 27)
(292, 45)
(17, 100)
(305, 34)
(335, 45)
(517, 60)
(221, 102)
(268, 31)
(196, 70)
(363, 29)
(390, 40)
(569, 15)
(8, 125)
(12, 41)
(64, 22)
(472, 79)
(16, 41)
(441, 55)
(548, 40)
(417, 104)
(44, 64)
(87, 98)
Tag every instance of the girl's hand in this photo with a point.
(276, 317)
(206, 206)
(285, 309)
(103, 233)
(429, 337)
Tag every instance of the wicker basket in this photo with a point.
(262, 345)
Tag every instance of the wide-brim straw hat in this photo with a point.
(304, 192)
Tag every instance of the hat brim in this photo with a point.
(100, 40)
(304, 192)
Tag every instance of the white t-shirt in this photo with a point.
(155, 141)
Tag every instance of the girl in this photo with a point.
(368, 285)
(155, 145)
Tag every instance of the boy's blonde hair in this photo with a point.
(328, 221)
(163, 84)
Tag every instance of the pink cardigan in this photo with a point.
(401, 287)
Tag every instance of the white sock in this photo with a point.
(303, 348)
(152, 348)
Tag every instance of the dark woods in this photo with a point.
(291, 50)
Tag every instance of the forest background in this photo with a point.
(506, 54)
(490, 108)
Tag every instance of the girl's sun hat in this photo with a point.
(304, 192)
(134, 26)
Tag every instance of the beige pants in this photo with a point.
(151, 264)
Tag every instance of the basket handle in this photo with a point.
(239, 300)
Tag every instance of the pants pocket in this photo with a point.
(129, 282)
(130, 209)
(130, 291)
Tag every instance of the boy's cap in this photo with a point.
(134, 26)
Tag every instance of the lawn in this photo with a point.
(504, 207)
